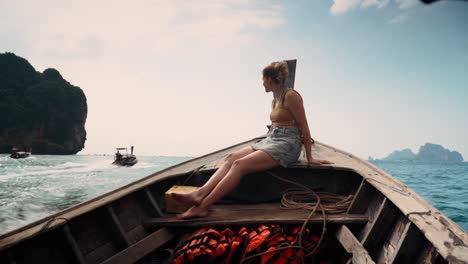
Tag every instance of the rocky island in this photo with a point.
(427, 152)
(39, 111)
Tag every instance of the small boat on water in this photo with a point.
(16, 154)
(124, 159)
(383, 221)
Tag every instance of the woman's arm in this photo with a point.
(296, 106)
(294, 102)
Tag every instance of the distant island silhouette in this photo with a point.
(427, 152)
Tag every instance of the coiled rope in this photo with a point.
(306, 198)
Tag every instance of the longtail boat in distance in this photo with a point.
(124, 159)
(17, 154)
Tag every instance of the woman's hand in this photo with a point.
(318, 162)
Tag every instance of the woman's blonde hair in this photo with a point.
(278, 72)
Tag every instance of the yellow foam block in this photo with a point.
(172, 206)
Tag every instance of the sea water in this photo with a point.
(40, 185)
(444, 185)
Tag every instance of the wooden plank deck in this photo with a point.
(352, 245)
(142, 248)
(266, 213)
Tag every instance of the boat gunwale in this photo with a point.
(456, 248)
(425, 223)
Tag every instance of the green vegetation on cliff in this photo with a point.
(39, 110)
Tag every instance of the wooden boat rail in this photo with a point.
(271, 213)
(123, 226)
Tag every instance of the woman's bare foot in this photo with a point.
(193, 212)
(192, 198)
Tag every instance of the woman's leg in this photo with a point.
(195, 197)
(256, 161)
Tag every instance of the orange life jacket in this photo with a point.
(238, 245)
(260, 235)
(250, 241)
(289, 255)
(258, 238)
(209, 245)
(206, 245)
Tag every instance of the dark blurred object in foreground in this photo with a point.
(432, 1)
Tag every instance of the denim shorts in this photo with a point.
(283, 144)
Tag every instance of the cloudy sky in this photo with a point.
(184, 77)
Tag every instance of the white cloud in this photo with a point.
(340, 7)
(148, 25)
(398, 19)
(376, 3)
(405, 4)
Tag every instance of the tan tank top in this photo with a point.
(280, 114)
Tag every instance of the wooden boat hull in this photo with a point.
(126, 161)
(20, 155)
(386, 223)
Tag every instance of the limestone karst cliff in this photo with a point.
(41, 111)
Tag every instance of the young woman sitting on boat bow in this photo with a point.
(282, 146)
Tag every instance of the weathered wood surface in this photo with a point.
(361, 195)
(270, 213)
(73, 245)
(117, 227)
(142, 248)
(375, 204)
(429, 255)
(411, 244)
(372, 225)
(353, 246)
(381, 229)
(448, 238)
(292, 73)
(394, 241)
(153, 203)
